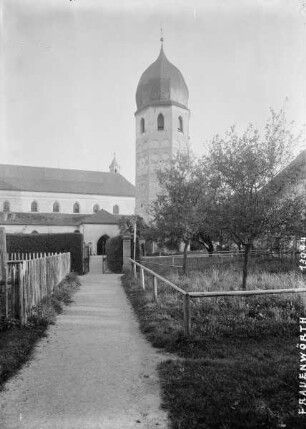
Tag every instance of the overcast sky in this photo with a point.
(70, 69)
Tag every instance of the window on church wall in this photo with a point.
(76, 207)
(96, 208)
(6, 206)
(34, 207)
(34, 232)
(116, 209)
(56, 207)
(142, 126)
(160, 122)
(180, 124)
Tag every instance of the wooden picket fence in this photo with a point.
(29, 279)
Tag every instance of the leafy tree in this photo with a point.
(126, 225)
(204, 239)
(249, 200)
(176, 213)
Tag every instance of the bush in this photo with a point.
(49, 243)
(114, 253)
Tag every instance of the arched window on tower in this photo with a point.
(180, 124)
(160, 122)
(6, 206)
(34, 207)
(56, 207)
(76, 207)
(142, 125)
(116, 209)
(96, 208)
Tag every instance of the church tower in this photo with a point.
(162, 125)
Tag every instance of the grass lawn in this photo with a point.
(17, 342)
(239, 368)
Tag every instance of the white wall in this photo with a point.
(92, 233)
(42, 229)
(21, 202)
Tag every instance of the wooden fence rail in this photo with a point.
(17, 256)
(193, 258)
(187, 296)
(29, 281)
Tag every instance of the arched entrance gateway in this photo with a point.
(101, 244)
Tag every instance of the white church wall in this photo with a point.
(41, 229)
(21, 202)
(93, 232)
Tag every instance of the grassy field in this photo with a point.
(17, 342)
(239, 367)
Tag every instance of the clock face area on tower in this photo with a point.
(162, 126)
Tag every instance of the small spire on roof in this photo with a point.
(114, 167)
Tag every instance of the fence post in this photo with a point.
(22, 313)
(142, 278)
(155, 297)
(126, 252)
(3, 268)
(3, 255)
(187, 314)
(135, 271)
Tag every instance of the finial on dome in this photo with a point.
(161, 35)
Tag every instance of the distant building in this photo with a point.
(293, 177)
(289, 181)
(162, 125)
(52, 200)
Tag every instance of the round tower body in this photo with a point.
(162, 127)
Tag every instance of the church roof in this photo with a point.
(42, 179)
(293, 173)
(161, 83)
(58, 219)
(101, 217)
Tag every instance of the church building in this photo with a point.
(162, 125)
(51, 200)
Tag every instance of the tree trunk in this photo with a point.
(245, 265)
(185, 258)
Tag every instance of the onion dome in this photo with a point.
(161, 84)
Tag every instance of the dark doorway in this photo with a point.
(101, 244)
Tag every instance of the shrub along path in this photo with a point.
(94, 370)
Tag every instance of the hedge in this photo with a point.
(45, 243)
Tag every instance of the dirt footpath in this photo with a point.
(94, 370)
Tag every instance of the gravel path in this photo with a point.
(94, 370)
